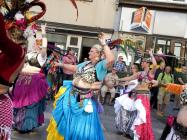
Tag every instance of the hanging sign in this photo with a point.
(141, 20)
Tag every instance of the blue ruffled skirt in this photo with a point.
(69, 119)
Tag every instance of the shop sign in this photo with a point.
(141, 20)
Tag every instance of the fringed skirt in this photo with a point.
(6, 117)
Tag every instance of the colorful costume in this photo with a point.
(53, 75)
(144, 131)
(132, 110)
(129, 111)
(73, 119)
(11, 61)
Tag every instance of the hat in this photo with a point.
(56, 48)
(148, 60)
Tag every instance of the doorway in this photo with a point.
(84, 54)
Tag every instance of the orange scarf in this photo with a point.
(174, 88)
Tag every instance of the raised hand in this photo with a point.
(151, 52)
(102, 38)
(43, 28)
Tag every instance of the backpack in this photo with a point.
(163, 74)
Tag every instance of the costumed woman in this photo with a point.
(128, 110)
(53, 73)
(143, 127)
(30, 90)
(75, 115)
(11, 62)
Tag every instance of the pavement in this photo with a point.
(107, 119)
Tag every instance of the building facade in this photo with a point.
(64, 28)
(163, 24)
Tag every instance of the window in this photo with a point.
(74, 41)
(177, 50)
(55, 38)
(163, 44)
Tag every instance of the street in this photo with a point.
(107, 119)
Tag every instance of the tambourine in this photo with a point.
(114, 43)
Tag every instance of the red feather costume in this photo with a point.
(11, 55)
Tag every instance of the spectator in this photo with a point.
(110, 81)
(121, 67)
(163, 97)
(180, 78)
(70, 58)
(171, 59)
(154, 90)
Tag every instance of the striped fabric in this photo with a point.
(124, 120)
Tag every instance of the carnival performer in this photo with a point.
(29, 93)
(38, 56)
(11, 62)
(69, 58)
(75, 115)
(143, 130)
(127, 107)
(53, 74)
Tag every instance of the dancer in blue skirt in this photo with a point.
(75, 115)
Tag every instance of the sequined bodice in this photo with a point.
(87, 74)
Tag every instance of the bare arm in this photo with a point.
(181, 81)
(44, 41)
(109, 56)
(153, 61)
(132, 77)
(69, 67)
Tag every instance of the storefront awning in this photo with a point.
(155, 5)
(58, 28)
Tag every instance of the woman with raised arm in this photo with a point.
(143, 129)
(29, 93)
(75, 114)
